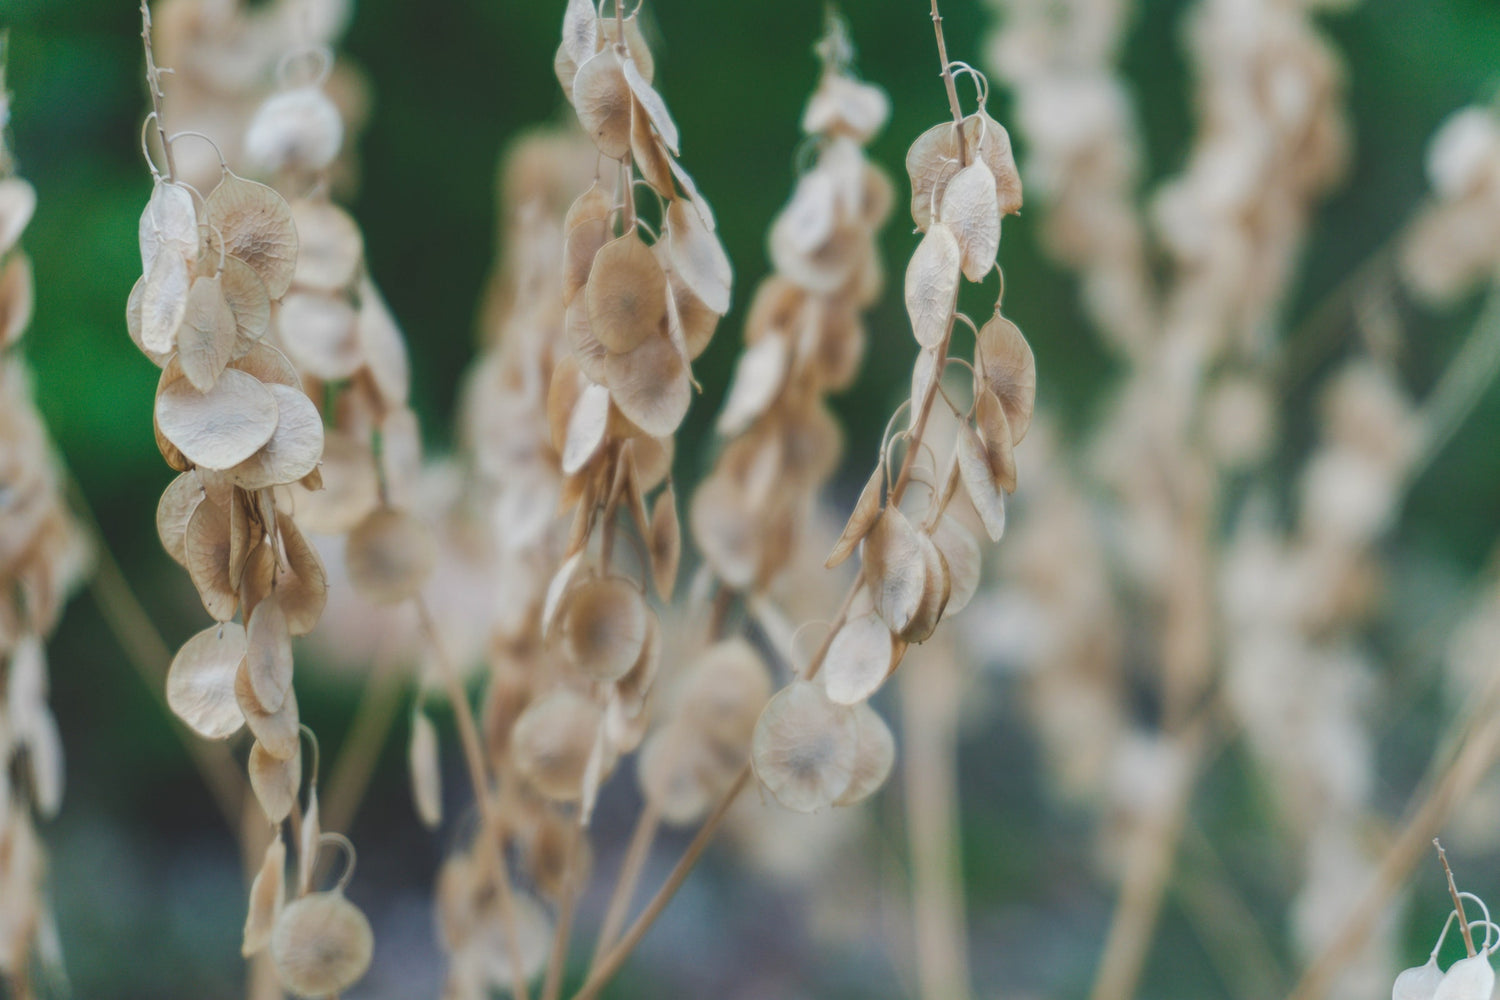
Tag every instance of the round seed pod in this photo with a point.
(724, 692)
(935, 589)
(298, 129)
(859, 659)
(626, 294)
(330, 246)
(1009, 369)
(1418, 983)
(671, 778)
(805, 747)
(604, 628)
(321, 333)
(874, 759)
(173, 512)
(651, 385)
(295, 446)
(200, 682)
(602, 98)
(389, 556)
(220, 428)
(1467, 979)
(256, 226)
(274, 781)
(551, 743)
(895, 568)
(321, 945)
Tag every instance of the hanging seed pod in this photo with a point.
(249, 303)
(724, 692)
(220, 428)
(602, 98)
(894, 569)
(294, 449)
(932, 285)
(978, 479)
(206, 335)
(280, 731)
(309, 841)
(268, 659)
(298, 129)
(389, 557)
(256, 226)
(551, 743)
(168, 227)
(698, 257)
(1419, 983)
(301, 580)
(671, 776)
(207, 546)
(664, 543)
(961, 557)
(321, 334)
(805, 747)
(604, 628)
(164, 303)
(650, 386)
(330, 248)
(935, 589)
(859, 659)
(1008, 367)
(275, 782)
(650, 101)
(971, 209)
(587, 427)
(862, 520)
(874, 759)
(994, 431)
(173, 511)
(322, 945)
(200, 682)
(267, 894)
(626, 294)
(426, 774)
(1467, 979)
(758, 379)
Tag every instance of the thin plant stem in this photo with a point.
(349, 778)
(468, 734)
(153, 83)
(948, 84)
(647, 825)
(1234, 941)
(1461, 385)
(1458, 903)
(552, 984)
(606, 969)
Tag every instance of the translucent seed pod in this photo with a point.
(298, 129)
(1467, 979)
(321, 945)
(805, 747)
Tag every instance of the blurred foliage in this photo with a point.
(453, 82)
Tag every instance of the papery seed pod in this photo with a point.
(295, 447)
(330, 249)
(994, 431)
(322, 945)
(961, 557)
(979, 481)
(173, 511)
(862, 520)
(650, 385)
(604, 628)
(249, 302)
(256, 227)
(301, 580)
(551, 743)
(268, 658)
(200, 684)
(758, 379)
(859, 659)
(1418, 983)
(297, 129)
(309, 841)
(932, 285)
(1008, 368)
(586, 428)
(426, 774)
(280, 731)
(389, 556)
(698, 257)
(275, 781)
(971, 210)
(723, 693)
(267, 894)
(874, 759)
(936, 587)
(894, 570)
(206, 335)
(602, 98)
(207, 548)
(806, 747)
(168, 227)
(671, 776)
(1467, 979)
(321, 335)
(220, 428)
(163, 303)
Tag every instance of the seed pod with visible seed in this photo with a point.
(255, 224)
(876, 754)
(604, 628)
(551, 743)
(322, 945)
(389, 556)
(894, 569)
(806, 747)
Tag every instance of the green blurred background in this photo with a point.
(148, 890)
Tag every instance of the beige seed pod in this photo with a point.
(588, 353)
(321, 334)
(650, 101)
(862, 520)
(876, 754)
(389, 556)
(626, 294)
(16, 298)
(604, 628)
(978, 479)
(200, 682)
(168, 227)
(859, 659)
(163, 303)
(999, 442)
(206, 335)
(650, 155)
(962, 558)
(932, 285)
(17, 204)
(256, 225)
(294, 448)
(724, 692)
(664, 542)
(220, 428)
(351, 487)
(301, 580)
(309, 841)
(426, 773)
(551, 743)
(695, 321)
(698, 256)
(935, 589)
(383, 347)
(275, 782)
(259, 576)
(268, 659)
(280, 731)
(635, 43)
(671, 776)
(934, 159)
(322, 945)
(269, 366)
(586, 428)
(805, 747)
(971, 209)
(602, 99)
(249, 302)
(558, 588)
(894, 568)
(758, 379)
(587, 228)
(267, 894)
(178, 501)
(297, 129)
(1009, 370)
(635, 688)
(133, 321)
(651, 386)
(330, 248)
(207, 546)
(580, 34)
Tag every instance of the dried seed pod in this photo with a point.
(178, 501)
(321, 334)
(322, 945)
(256, 226)
(664, 542)
(551, 743)
(602, 98)
(650, 101)
(206, 335)
(207, 546)
(330, 247)
(862, 520)
(979, 481)
(960, 553)
(134, 320)
(1469, 978)
(557, 589)
(875, 756)
(309, 841)
(970, 208)
(268, 658)
(671, 776)
(586, 428)
(351, 487)
(389, 556)
(267, 894)
(932, 285)
(275, 782)
(294, 449)
(301, 580)
(635, 687)
(1008, 367)
(163, 303)
(1419, 983)
(698, 257)
(805, 747)
(297, 129)
(220, 428)
(626, 294)
(269, 366)
(604, 628)
(859, 659)
(894, 568)
(588, 353)
(935, 589)
(651, 386)
(280, 731)
(200, 682)
(999, 442)
(724, 692)
(758, 379)
(650, 155)
(383, 347)
(249, 302)
(168, 227)
(426, 774)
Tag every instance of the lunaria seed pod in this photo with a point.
(551, 743)
(298, 129)
(1418, 983)
(806, 747)
(604, 628)
(321, 945)
(1467, 979)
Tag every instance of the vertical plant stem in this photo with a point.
(948, 84)
(646, 827)
(349, 778)
(1458, 903)
(552, 984)
(1461, 386)
(153, 83)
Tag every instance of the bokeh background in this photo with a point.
(146, 880)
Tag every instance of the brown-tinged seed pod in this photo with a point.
(551, 743)
(220, 428)
(200, 682)
(256, 226)
(873, 760)
(275, 781)
(859, 659)
(267, 894)
(389, 556)
(894, 569)
(604, 628)
(805, 747)
(322, 945)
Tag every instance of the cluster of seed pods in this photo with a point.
(233, 416)
(1469, 978)
(803, 338)
(41, 558)
(818, 743)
